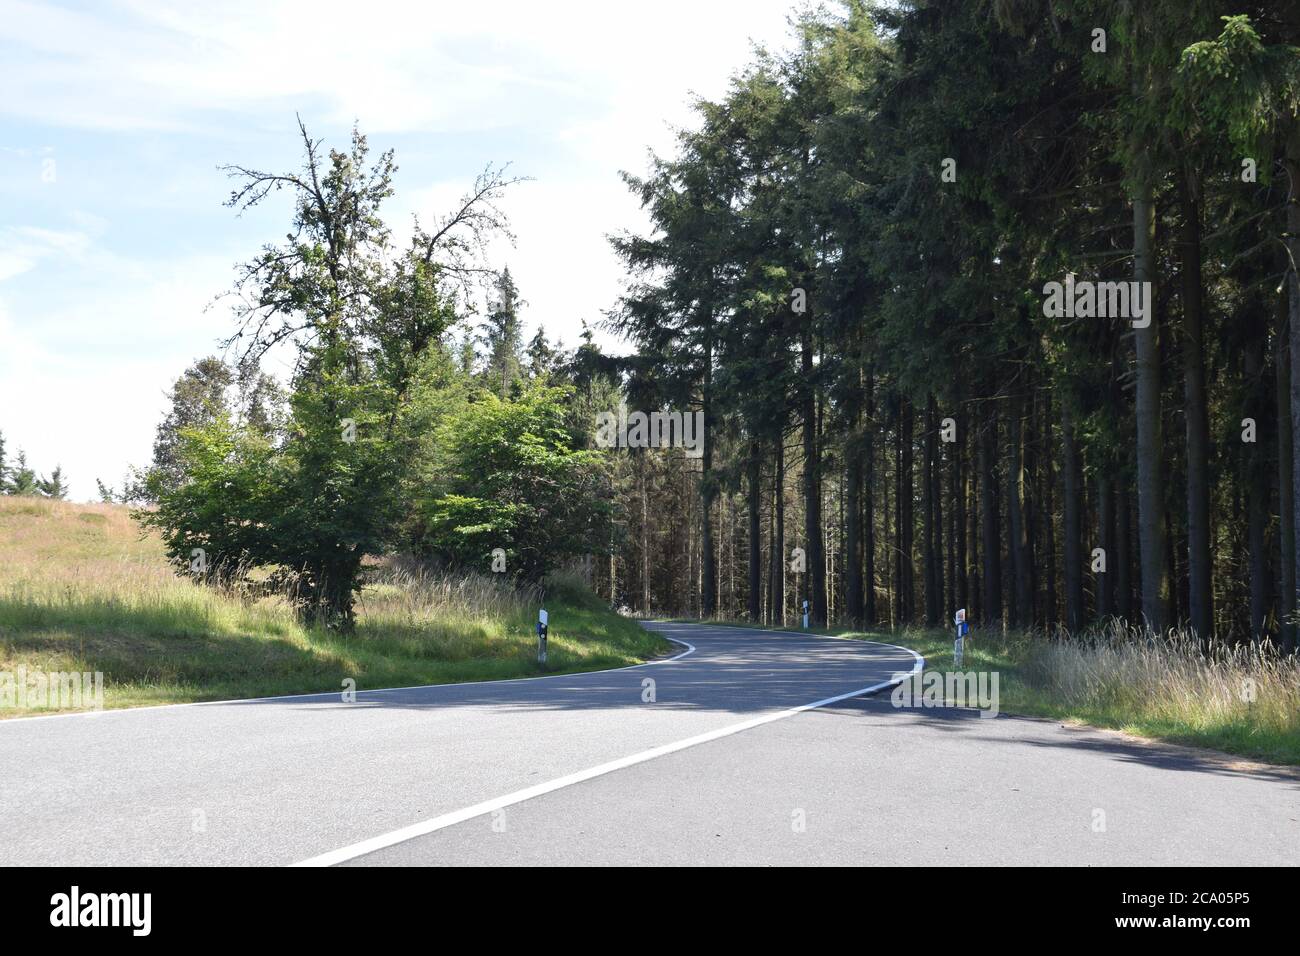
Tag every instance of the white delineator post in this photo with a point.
(962, 627)
(805, 614)
(541, 635)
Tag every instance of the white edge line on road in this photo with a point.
(519, 796)
(690, 649)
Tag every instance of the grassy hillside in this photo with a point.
(81, 590)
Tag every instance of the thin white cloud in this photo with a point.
(22, 247)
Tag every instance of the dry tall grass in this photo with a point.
(402, 590)
(1242, 699)
(1171, 680)
(72, 565)
(82, 590)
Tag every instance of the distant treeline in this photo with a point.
(18, 478)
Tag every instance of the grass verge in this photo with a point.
(1243, 702)
(82, 591)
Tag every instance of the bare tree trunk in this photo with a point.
(1152, 535)
(1293, 318)
(852, 505)
(1200, 593)
(1073, 530)
(890, 536)
(960, 480)
(1256, 481)
(708, 490)
(971, 555)
(755, 504)
(991, 544)
(907, 521)
(928, 529)
(1285, 481)
(898, 616)
(1124, 552)
(869, 612)
(815, 557)
(645, 533)
(777, 585)
(936, 495)
(692, 565)
(1047, 496)
(1103, 586)
(1020, 555)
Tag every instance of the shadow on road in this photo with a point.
(732, 671)
(1013, 730)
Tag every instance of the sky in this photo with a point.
(115, 116)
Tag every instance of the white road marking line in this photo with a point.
(690, 649)
(346, 853)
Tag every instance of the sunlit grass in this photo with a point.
(82, 590)
(1243, 700)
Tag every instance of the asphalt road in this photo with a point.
(279, 781)
(727, 764)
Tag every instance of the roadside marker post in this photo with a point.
(542, 619)
(958, 645)
(805, 614)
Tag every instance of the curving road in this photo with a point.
(314, 779)
(758, 747)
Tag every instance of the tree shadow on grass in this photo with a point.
(167, 649)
